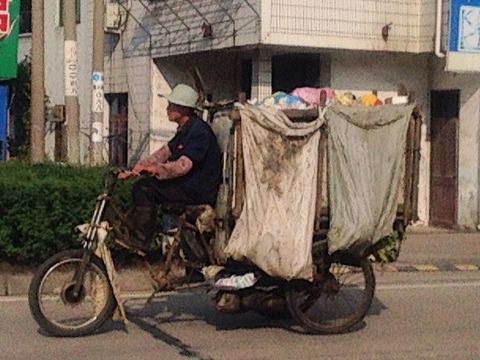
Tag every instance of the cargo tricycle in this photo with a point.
(75, 292)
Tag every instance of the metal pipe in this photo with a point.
(253, 9)
(129, 14)
(154, 17)
(438, 30)
(178, 16)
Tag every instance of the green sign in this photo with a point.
(9, 28)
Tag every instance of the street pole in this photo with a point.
(38, 84)
(96, 130)
(71, 81)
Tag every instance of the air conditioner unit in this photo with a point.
(115, 16)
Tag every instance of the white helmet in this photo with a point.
(183, 95)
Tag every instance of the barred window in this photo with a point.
(77, 12)
(25, 16)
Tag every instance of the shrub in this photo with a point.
(41, 204)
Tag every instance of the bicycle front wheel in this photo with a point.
(334, 303)
(57, 308)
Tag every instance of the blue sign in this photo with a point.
(3, 120)
(464, 26)
(463, 53)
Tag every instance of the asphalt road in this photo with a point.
(413, 316)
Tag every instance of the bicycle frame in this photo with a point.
(89, 240)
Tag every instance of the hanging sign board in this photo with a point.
(464, 36)
(9, 28)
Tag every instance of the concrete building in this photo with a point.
(262, 46)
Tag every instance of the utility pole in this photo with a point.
(38, 84)
(96, 130)
(71, 81)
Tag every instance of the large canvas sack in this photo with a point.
(275, 228)
(365, 155)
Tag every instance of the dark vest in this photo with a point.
(197, 141)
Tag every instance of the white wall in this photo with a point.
(469, 139)
(24, 47)
(54, 64)
(162, 130)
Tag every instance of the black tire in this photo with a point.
(70, 322)
(319, 307)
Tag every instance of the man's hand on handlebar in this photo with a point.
(123, 175)
(137, 170)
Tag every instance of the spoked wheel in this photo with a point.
(335, 302)
(58, 308)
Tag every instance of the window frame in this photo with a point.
(78, 12)
(25, 27)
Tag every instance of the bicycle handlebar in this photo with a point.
(111, 177)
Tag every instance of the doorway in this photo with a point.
(290, 71)
(445, 111)
(118, 123)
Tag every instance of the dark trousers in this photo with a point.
(147, 193)
(150, 192)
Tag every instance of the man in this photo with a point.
(186, 170)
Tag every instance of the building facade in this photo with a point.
(263, 46)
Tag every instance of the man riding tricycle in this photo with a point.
(244, 213)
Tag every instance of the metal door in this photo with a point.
(444, 158)
(118, 137)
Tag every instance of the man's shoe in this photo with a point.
(123, 238)
(133, 245)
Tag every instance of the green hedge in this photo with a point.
(41, 204)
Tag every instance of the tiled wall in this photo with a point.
(138, 72)
(354, 24)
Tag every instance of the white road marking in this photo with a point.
(428, 286)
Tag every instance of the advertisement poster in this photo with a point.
(9, 28)
(464, 36)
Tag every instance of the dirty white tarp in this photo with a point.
(275, 228)
(365, 154)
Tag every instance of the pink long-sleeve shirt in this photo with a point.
(164, 169)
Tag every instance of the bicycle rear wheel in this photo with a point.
(335, 303)
(54, 305)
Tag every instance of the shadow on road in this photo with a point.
(198, 306)
(376, 307)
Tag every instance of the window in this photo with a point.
(25, 16)
(77, 12)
